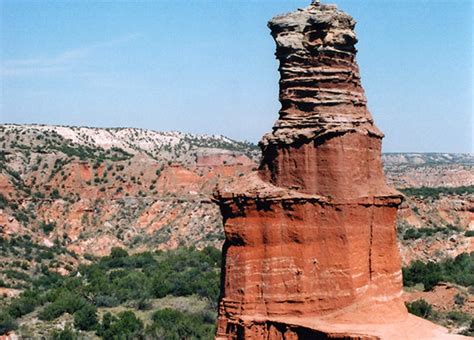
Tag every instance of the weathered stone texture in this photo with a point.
(311, 249)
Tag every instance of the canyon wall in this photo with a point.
(311, 248)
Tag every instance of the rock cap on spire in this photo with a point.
(320, 87)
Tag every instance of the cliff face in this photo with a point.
(311, 247)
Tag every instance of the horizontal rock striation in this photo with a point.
(320, 89)
(311, 249)
(321, 98)
(289, 253)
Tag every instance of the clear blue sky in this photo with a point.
(209, 66)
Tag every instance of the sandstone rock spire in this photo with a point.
(311, 248)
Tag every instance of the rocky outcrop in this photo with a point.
(324, 141)
(311, 249)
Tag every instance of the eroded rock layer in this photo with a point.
(320, 88)
(311, 249)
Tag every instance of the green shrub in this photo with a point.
(160, 285)
(45, 255)
(21, 216)
(173, 324)
(420, 308)
(106, 301)
(6, 323)
(21, 306)
(469, 233)
(412, 233)
(130, 285)
(459, 270)
(3, 201)
(86, 318)
(436, 192)
(16, 275)
(118, 278)
(458, 316)
(454, 228)
(47, 227)
(65, 301)
(55, 194)
(459, 299)
(123, 326)
(89, 257)
(68, 333)
(117, 252)
(38, 195)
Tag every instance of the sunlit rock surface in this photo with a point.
(311, 249)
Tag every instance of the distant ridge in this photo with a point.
(171, 145)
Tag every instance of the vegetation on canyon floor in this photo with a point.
(128, 291)
(135, 295)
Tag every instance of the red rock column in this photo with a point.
(312, 234)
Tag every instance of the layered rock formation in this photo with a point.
(311, 249)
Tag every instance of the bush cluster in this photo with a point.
(123, 326)
(415, 233)
(420, 308)
(119, 277)
(47, 227)
(122, 278)
(436, 192)
(459, 270)
(3, 201)
(175, 325)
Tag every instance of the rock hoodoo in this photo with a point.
(311, 248)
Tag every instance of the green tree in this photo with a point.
(3, 201)
(175, 325)
(64, 301)
(47, 227)
(86, 318)
(6, 323)
(55, 194)
(68, 333)
(459, 270)
(118, 252)
(123, 326)
(21, 306)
